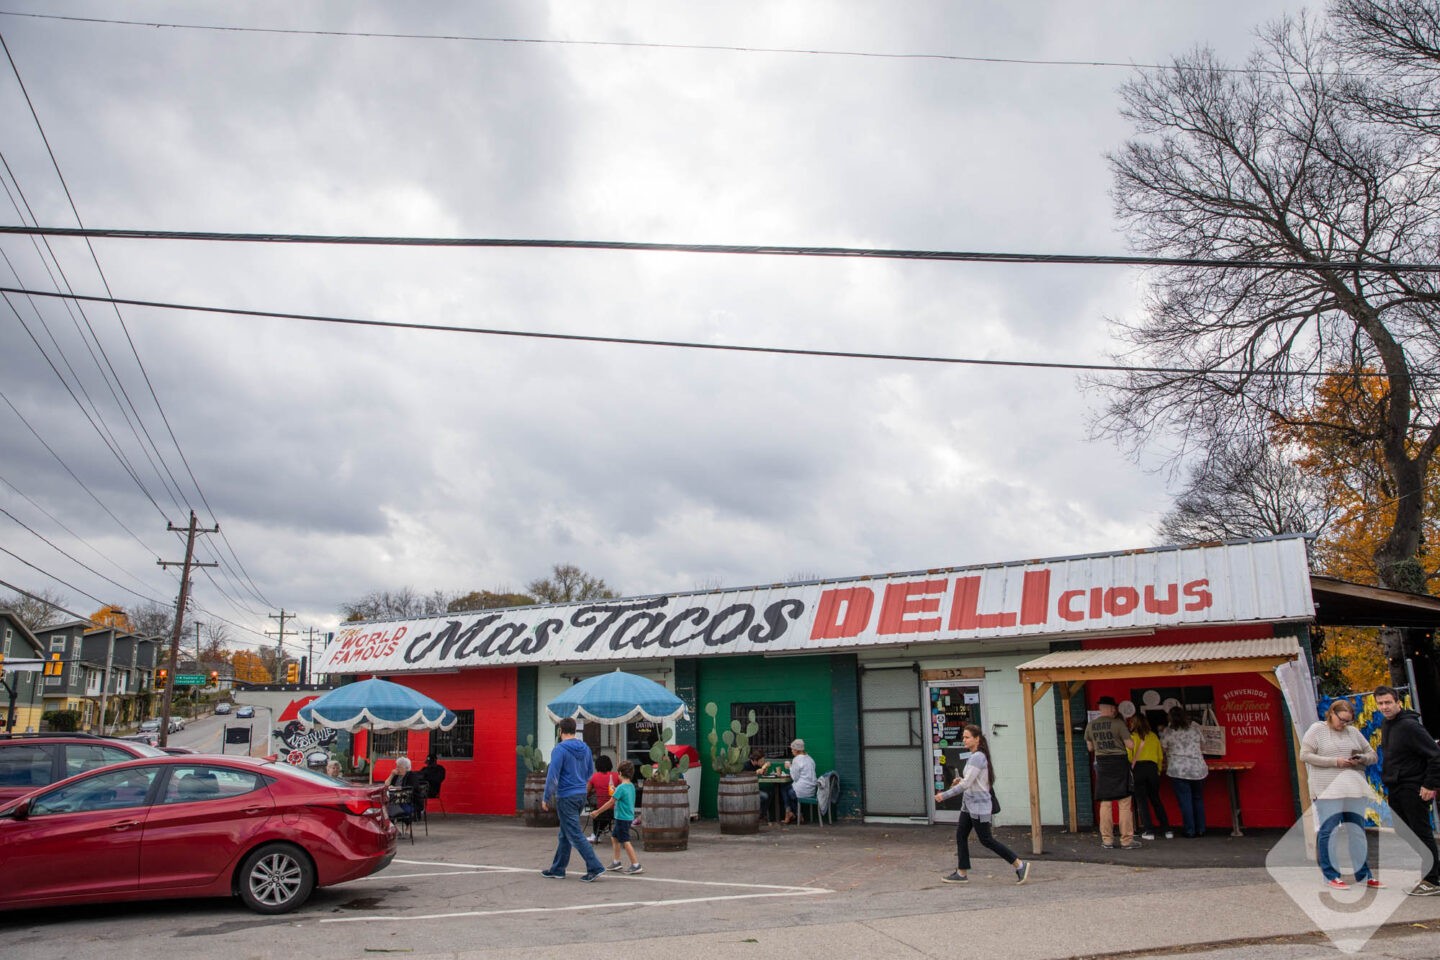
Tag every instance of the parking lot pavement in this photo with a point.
(473, 886)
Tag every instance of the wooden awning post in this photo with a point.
(1037, 844)
(1066, 691)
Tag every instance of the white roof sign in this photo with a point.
(1253, 581)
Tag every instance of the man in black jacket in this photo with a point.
(1410, 769)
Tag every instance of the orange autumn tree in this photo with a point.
(249, 667)
(1335, 446)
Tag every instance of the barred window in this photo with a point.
(776, 722)
(396, 743)
(457, 743)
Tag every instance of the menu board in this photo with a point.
(952, 706)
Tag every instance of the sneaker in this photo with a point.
(592, 876)
(1022, 873)
(1169, 834)
(633, 869)
(552, 875)
(956, 877)
(615, 865)
(1147, 835)
(1108, 844)
(590, 838)
(1337, 884)
(1132, 845)
(1374, 884)
(1425, 889)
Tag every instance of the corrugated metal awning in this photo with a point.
(1218, 656)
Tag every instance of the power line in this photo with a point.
(638, 44)
(696, 345)
(762, 250)
(60, 550)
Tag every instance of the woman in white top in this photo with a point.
(975, 785)
(802, 779)
(1185, 766)
(1336, 755)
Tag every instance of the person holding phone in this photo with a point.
(1336, 755)
(975, 787)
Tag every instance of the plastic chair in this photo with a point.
(827, 792)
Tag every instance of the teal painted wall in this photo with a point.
(527, 707)
(808, 681)
(845, 720)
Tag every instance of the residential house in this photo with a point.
(20, 700)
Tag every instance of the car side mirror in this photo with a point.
(21, 811)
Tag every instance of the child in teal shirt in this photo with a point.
(623, 800)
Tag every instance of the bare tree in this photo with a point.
(1393, 50)
(1274, 163)
(568, 582)
(488, 600)
(402, 604)
(151, 619)
(1245, 487)
(39, 610)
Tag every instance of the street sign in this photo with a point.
(189, 679)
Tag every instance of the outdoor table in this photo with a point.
(775, 783)
(1230, 768)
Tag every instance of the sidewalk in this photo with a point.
(855, 890)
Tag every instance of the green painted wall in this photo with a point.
(845, 720)
(805, 680)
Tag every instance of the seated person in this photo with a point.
(599, 790)
(802, 780)
(405, 778)
(434, 776)
(757, 764)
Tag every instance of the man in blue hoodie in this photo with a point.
(570, 768)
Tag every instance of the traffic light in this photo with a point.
(54, 668)
(2, 664)
(292, 673)
(214, 677)
(162, 676)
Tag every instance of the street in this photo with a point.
(473, 885)
(206, 734)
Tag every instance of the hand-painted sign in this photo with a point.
(1260, 581)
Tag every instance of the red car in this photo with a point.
(191, 826)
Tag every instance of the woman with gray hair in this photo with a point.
(802, 780)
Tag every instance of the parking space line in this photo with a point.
(763, 891)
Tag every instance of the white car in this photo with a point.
(150, 726)
(222, 708)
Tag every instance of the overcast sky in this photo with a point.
(340, 459)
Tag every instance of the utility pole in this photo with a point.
(309, 651)
(282, 616)
(187, 563)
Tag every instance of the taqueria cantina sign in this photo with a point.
(1249, 582)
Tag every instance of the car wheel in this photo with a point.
(276, 878)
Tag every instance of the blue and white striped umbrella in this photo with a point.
(377, 705)
(617, 697)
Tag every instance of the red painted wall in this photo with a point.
(1253, 714)
(485, 784)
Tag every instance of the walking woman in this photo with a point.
(974, 786)
(1185, 765)
(1336, 755)
(1146, 756)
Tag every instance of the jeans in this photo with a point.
(1404, 799)
(1149, 811)
(987, 840)
(1336, 813)
(1191, 794)
(569, 809)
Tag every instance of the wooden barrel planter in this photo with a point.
(666, 817)
(739, 803)
(534, 793)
